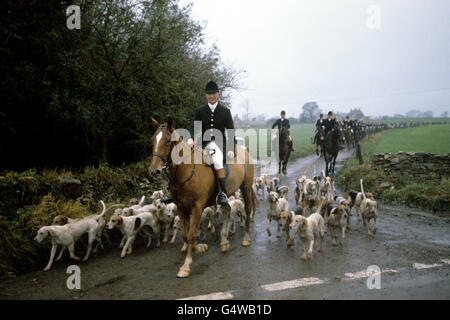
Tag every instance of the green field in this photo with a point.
(432, 139)
(301, 134)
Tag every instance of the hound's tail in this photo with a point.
(142, 201)
(104, 209)
(109, 208)
(362, 189)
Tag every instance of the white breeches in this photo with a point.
(217, 156)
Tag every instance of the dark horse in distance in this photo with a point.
(284, 151)
(330, 147)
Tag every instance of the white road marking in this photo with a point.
(304, 282)
(419, 266)
(365, 274)
(212, 296)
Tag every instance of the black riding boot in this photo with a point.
(291, 146)
(222, 196)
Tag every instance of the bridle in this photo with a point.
(167, 163)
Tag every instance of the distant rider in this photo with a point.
(319, 124)
(283, 122)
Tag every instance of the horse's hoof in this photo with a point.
(201, 247)
(183, 274)
(246, 243)
(224, 247)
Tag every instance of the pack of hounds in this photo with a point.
(317, 207)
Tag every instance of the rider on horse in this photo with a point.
(283, 122)
(319, 124)
(215, 116)
(330, 123)
(347, 122)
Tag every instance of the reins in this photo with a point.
(167, 164)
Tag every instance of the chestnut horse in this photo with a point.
(193, 187)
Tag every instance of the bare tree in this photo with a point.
(245, 105)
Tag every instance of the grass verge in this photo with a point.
(434, 197)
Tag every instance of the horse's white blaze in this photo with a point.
(158, 139)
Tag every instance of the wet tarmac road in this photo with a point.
(411, 248)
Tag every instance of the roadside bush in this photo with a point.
(30, 200)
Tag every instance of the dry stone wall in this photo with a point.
(417, 166)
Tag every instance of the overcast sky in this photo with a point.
(333, 52)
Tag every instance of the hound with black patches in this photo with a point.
(355, 199)
(272, 184)
(369, 209)
(341, 201)
(283, 191)
(67, 235)
(309, 204)
(337, 220)
(130, 227)
(276, 206)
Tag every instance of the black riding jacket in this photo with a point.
(281, 123)
(220, 119)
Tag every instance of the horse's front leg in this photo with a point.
(191, 238)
